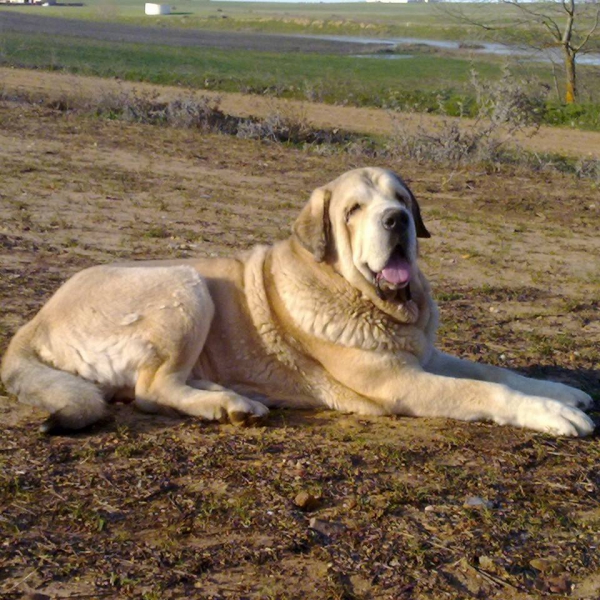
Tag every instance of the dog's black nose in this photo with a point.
(394, 220)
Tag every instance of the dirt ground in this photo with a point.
(150, 507)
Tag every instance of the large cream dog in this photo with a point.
(339, 316)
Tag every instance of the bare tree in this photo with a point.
(569, 37)
(566, 25)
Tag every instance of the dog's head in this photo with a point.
(365, 224)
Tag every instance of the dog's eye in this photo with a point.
(355, 208)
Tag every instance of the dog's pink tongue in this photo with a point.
(397, 271)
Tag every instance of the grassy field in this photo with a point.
(436, 21)
(347, 18)
(330, 78)
(429, 81)
(156, 508)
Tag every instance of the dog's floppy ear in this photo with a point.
(416, 213)
(312, 228)
(415, 210)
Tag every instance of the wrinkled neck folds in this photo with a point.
(321, 303)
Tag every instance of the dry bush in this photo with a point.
(588, 168)
(509, 103)
(204, 113)
(276, 127)
(505, 111)
(279, 127)
(190, 112)
(505, 108)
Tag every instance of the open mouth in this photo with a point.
(394, 276)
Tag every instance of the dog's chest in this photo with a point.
(238, 356)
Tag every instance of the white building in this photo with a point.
(157, 9)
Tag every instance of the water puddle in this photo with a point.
(396, 43)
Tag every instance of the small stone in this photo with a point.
(558, 585)
(429, 508)
(476, 502)
(327, 528)
(306, 501)
(485, 562)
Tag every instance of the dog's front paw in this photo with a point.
(581, 399)
(555, 417)
(567, 395)
(556, 391)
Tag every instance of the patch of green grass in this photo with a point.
(333, 78)
(426, 82)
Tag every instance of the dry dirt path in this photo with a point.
(564, 141)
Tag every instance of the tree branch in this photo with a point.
(589, 34)
(459, 15)
(569, 7)
(545, 18)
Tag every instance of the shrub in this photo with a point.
(504, 108)
(583, 115)
(503, 111)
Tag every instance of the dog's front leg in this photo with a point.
(450, 366)
(398, 383)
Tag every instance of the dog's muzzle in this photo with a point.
(396, 273)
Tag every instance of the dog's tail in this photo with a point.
(73, 402)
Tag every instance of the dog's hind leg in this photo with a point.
(163, 381)
(166, 388)
(111, 330)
